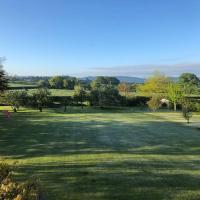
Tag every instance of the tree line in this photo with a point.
(108, 91)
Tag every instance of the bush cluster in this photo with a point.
(12, 190)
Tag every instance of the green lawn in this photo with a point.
(108, 155)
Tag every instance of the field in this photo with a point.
(22, 84)
(54, 92)
(94, 154)
(32, 88)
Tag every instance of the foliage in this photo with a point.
(16, 98)
(154, 103)
(174, 93)
(187, 107)
(196, 107)
(124, 88)
(80, 94)
(104, 80)
(155, 85)
(105, 96)
(3, 78)
(60, 82)
(41, 97)
(56, 82)
(66, 101)
(190, 82)
(137, 101)
(69, 83)
(133, 87)
(43, 84)
(189, 79)
(11, 190)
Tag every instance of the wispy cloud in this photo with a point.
(143, 70)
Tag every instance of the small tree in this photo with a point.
(154, 103)
(56, 82)
(66, 101)
(41, 96)
(174, 93)
(105, 96)
(69, 83)
(43, 83)
(104, 80)
(16, 99)
(80, 94)
(187, 109)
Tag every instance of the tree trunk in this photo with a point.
(14, 108)
(174, 106)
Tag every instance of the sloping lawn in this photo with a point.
(107, 155)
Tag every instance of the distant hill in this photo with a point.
(127, 79)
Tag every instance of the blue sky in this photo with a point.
(100, 37)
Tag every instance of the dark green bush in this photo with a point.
(137, 101)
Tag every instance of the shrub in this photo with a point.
(16, 99)
(137, 101)
(187, 107)
(11, 190)
(154, 103)
(41, 97)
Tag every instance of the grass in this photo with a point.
(54, 92)
(61, 92)
(105, 154)
(22, 84)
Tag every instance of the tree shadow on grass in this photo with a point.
(95, 110)
(31, 136)
(94, 158)
(114, 180)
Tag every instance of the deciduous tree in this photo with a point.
(104, 80)
(80, 94)
(174, 93)
(155, 85)
(16, 99)
(41, 96)
(56, 82)
(189, 82)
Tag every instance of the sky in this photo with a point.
(100, 37)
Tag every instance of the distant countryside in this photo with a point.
(100, 138)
